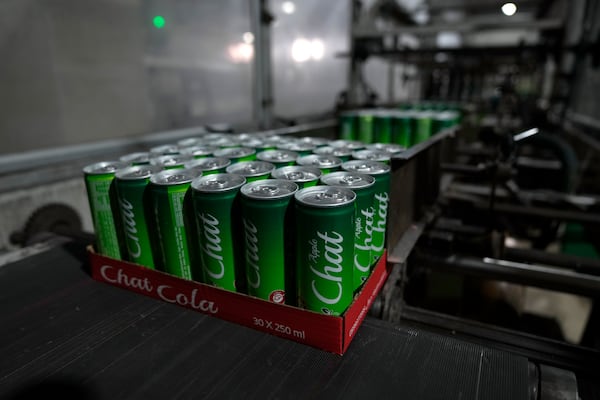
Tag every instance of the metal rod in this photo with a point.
(463, 27)
(545, 276)
(577, 263)
(263, 96)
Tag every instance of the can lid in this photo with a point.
(386, 147)
(251, 168)
(234, 152)
(213, 136)
(104, 167)
(375, 155)
(138, 157)
(208, 164)
(297, 173)
(348, 179)
(322, 196)
(218, 183)
(268, 189)
(137, 172)
(198, 150)
(252, 142)
(317, 141)
(369, 167)
(320, 160)
(225, 141)
(170, 160)
(170, 177)
(191, 141)
(351, 144)
(296, 146)
(277, 155)
(165, 149)
(334, 151)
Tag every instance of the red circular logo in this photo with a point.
(277, 296)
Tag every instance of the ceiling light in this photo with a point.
(509, 9)
(288, 7)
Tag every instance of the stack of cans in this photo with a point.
(300, 221)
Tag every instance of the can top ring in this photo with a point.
(104, 167)
(347, 179)
(277, 155)
(164, 149)
(351, 144)
(386, 147)
(369, 167)
(297, 173)
(234, 152)
(251, 168)
(269, 189)
(141, 156)
(218, 183)
(169, 160)
(376, 155)
(170, 177)
(137, 172)
(320, 160)
(334, 151)
(208, 164)
(322, 196)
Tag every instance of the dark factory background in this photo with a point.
(494, 225)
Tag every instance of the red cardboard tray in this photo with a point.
(330, 333)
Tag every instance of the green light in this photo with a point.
(158, 21)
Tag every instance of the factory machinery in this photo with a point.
(479, 212)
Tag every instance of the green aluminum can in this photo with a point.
(137, 158)
(252, 170)
(364, 215)
(366, 126)
(237, 154)
(171, 161)
(217, 215)
(99, 179)
(402, 133)
(381, 172)
(443, 120)
(209, 165)
(343, 153)
(131, 187)
(279, 158)
(383, 126)
(348, 126)
(302, 175)
(170, 205)
(374, 155)
(326, 163)
(423, 126)
(267, 217)
(325, 248)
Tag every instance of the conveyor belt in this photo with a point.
(63, 333)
